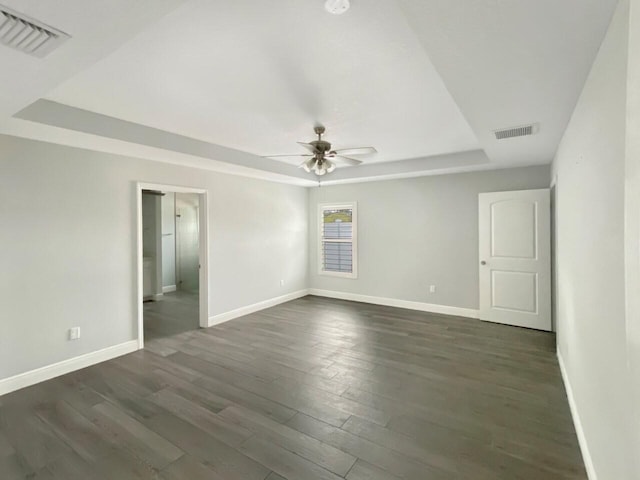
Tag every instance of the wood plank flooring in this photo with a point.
(311, 389)
(173, 313)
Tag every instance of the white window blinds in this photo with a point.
(337, 240)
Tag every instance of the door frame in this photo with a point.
(203, 250)
(553, 203)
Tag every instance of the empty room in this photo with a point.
(320, 239)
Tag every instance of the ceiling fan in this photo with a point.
(323, 159)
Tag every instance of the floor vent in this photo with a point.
(28, 35)
(513, 132)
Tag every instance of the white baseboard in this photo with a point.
(393, 302)
(239, 312)
(48, 372)
(169, 288)
(38, 375)
(582, 439)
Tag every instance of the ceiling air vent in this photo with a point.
(28, 35)
(513, 132)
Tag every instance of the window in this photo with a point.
(338, 246)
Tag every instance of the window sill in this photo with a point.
(325, 273)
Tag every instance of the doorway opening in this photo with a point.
(172, 263)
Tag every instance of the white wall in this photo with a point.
(591, 324)
(168, 240)
(416, 232)
(68, 241)
(632, 210)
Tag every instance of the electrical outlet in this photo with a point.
(432, 289)
(282, 283)
(74, 333)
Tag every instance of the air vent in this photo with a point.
(513, 132)
(28, 35)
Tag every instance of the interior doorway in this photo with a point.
(172, 263)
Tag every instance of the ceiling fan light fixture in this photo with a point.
(337, 7)
(322, 159)
(308, 165)
(320, 168)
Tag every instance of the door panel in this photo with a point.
(515, 291)
(513, 225)
(515, 258)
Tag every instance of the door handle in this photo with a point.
(483, 262)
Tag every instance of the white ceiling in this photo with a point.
(513, 62)
(424, 81)
(97, 27)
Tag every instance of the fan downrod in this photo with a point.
(320, 146)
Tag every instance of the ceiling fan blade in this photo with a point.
(357, 151)
(308, 146)
(292, 156)
(349, 161)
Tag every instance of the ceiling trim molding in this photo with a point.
(72, 118)
(415, 167)
(60, 116)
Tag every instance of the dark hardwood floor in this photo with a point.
(173, 313)
(311, 389)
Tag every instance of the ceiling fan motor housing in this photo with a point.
(321, 146)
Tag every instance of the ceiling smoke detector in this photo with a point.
(337, 7)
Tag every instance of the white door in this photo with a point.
(515, 265)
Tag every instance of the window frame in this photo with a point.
(353, 206)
